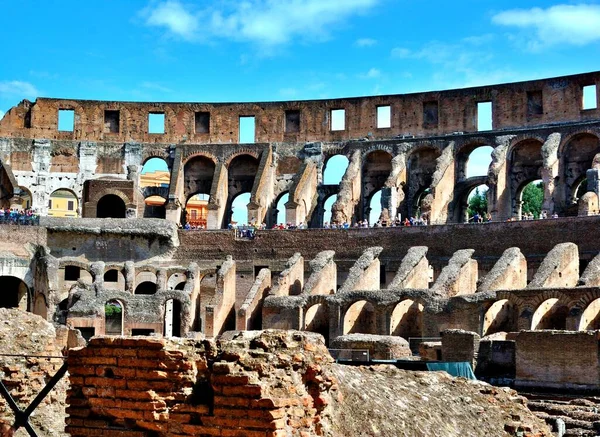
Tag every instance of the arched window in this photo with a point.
(196, 210)
(63, 203)
(14, 293)
(360, 318)
(281, 217)
(113, 318)
(155, 173)
(172, 326)
(239, 209)
(478, 161)
(111, 206)
(327, 207)
(334, 170)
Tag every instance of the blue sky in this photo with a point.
(261, 50)
(283, 50)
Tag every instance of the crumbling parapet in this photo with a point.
(509, 272)
(560, 268)
(249, 315)
(291, 280)
(342, 210)
(365, 273)
(302, 194)
(323, 277)
(220, 308)
(459, 277)
(413, 271)
(591, 275)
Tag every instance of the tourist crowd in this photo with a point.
(19, 216)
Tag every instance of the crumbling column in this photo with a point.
(323, 277)
(550, 170)
(161, 279)
(97, 271)
(302, 195)
(459, 277)
(498, 194)
(129, 273)
(442, 186)
(560, 268)
(413, 271)
(262, 190)
(365, 273)
(218, 198)
(41, 166)
(176, 198)
(350, 191)
(588, 204)
(509, 272)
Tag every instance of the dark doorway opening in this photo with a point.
(111, 206)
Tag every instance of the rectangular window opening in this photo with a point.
(111, 122)
(70, 205)
(247, 129)
(141, 332)
(484, 116)
(156, 123)
(292, 122)
(50, 204)
(87, 333)
(202, 122)
(590, 98)
(338, 119)
(66, 120)
(72, 273)
(384, 117)
(535, 103)
(430, 114)
(111, 276)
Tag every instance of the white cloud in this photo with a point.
(373, 73)
(1, 114)
(174, 16)
(267, 22)
(560, 24)
(18, 88)
(401, 52)
(365, 42)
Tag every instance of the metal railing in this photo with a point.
(20, 219)
(22, 416)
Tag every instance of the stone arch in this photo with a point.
(241, 152)
(114, 279)
(196, 210)
(148, 154)
(406, 320)
(176, 280)
(63, 202)
(316, 319)
(191, 154)
(550, 314)
(114, 314)
(22, 199)
(360, 317)
(243, 169)
(577, 154)
(334, 169)
(463, 158)
(501, 316)
(525, 163)
(327, 207)
(421, 163)
(518, 199)
(15, 293)
(155, 207)
(278, 212)
(111, 206)
(198, 174)
(146, 283)
(590, 318)
(376, 169)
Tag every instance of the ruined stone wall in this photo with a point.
(271, 383)
(417, 114)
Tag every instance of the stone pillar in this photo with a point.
(41, 167)
(161, 279)
(550, 170)
(459, 345)
(218, 197)
(129, 273)
(176, 198)
(97, 271)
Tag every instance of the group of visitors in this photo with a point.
(19, 216)
(480, 218)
